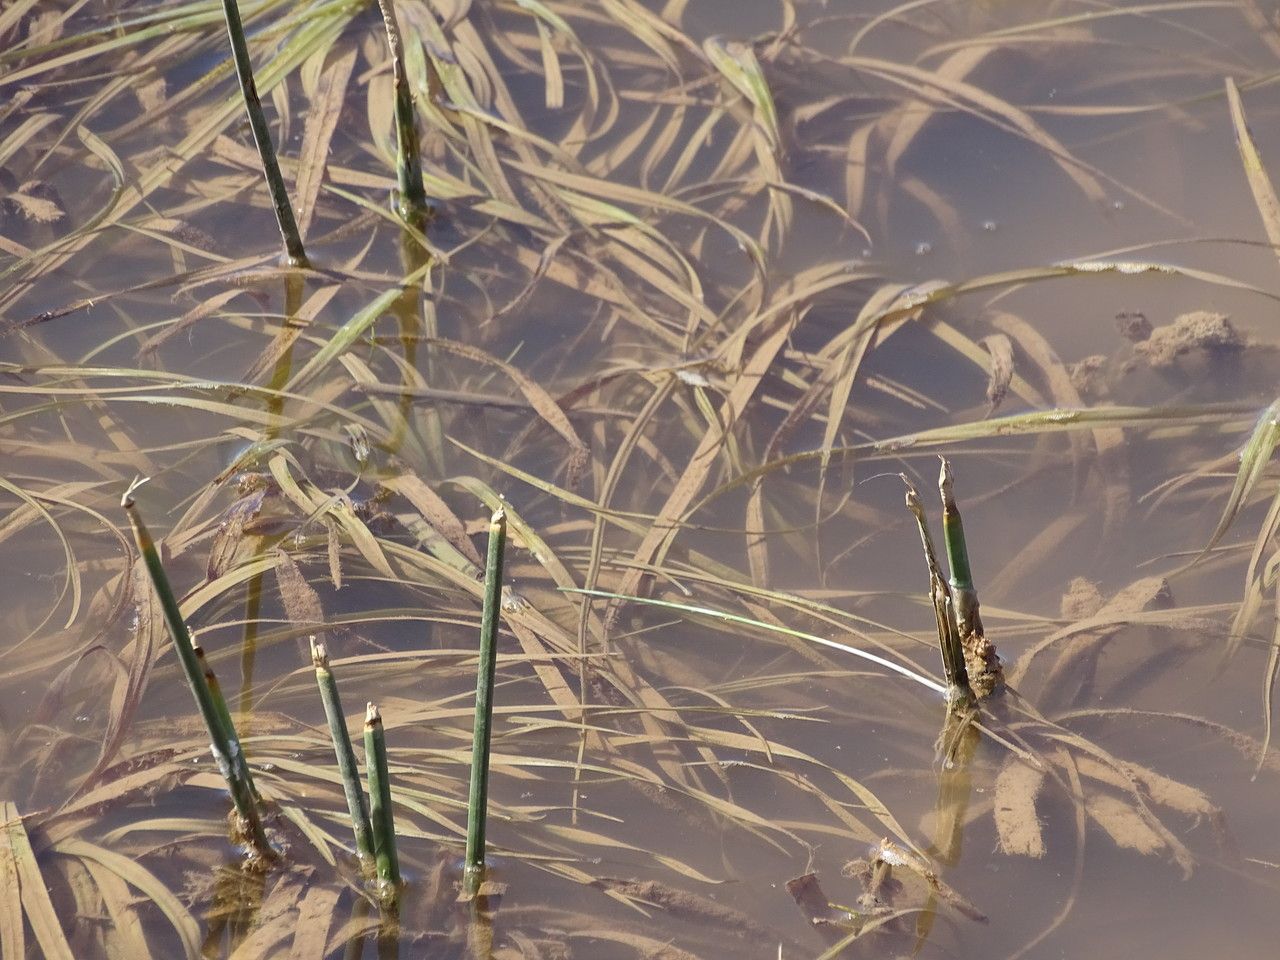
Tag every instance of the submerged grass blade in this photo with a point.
(381, 816)
(478, 797)
(223, 742)
(1260, 185)
(34, 891)
(344, 754)
(293, 247)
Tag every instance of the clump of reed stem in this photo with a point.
(223, 741)
(986, 675)
(478, 800)
(380, 815)
(294, 250)
(412, 205)
(969, 660)
(345, 756)
(953, 664)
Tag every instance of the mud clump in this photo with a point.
(1200, 332)
(1091, 376)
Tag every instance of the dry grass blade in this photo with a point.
(951, 91)
(145, 882)
(1254, 458)
(541, 401)
(773, 628)
(317, 134)
(34, 891)
(1264, 193)
(12, 931)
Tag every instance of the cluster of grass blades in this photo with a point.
(638, 294)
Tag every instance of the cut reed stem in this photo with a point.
(294, 250)
(412, 204)
(478, 800)
(345, 755)
(986, 675)
(223, 742)
(380, 815)
(953, 665)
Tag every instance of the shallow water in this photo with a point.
(651, 274)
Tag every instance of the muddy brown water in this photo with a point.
(716, 761)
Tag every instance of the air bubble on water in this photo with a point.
(923, 248)
(989, 226)
(1117, 205)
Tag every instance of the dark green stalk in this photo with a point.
(412, 204)
(478, 801)
(262, 137)
(346, 757)
(384, 830)
(223, 742)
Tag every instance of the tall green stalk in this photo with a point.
(412, 204)
(224, 743)
(380, 815)
(478, 801)
(293, 247)
(344, 754)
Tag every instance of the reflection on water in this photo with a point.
(704, 279)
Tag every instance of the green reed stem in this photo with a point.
(293, 247)
(224, 743)
(344, 754)
(478, 800)
(412, 204)
(963, 593)
(380, 815)
(224, 712)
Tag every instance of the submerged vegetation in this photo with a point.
(663, 297)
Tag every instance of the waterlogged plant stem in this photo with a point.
(345, 755)
(293, 247)
(478, 801)
(412, 204)
(383, 822)
(224, 744)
